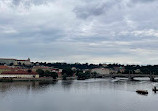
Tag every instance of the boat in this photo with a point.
(115, 80)
(143, 92)
(155, 89)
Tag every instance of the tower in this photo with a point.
(28, 59)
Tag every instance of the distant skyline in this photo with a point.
(93, 31)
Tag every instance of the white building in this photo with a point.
(101, 71)
(9, 61)
(19, 74)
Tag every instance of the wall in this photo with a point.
(22, 62)
(3, 70)
(7, 61)
(18, 76)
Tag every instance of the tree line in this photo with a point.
(67, 72)
(144, 69)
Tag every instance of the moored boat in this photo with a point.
(144, 92)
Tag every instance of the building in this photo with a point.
(138, 71)
(86, 70)
(101, 71)
(104, 65)
(19, 74)
(22, 62)
(4, 68)
(119, 69)
(74, 68)
(9, 61)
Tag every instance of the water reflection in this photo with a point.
(66, 84)
(33, 86)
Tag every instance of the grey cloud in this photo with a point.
(142, 1)
(84, 12)
(93, 9)
(53, 32)
(29, 2)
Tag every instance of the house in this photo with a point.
(119, 69)
(4, 68)
(22, 62)
(137, 71)
(86, 70)
(19, 74)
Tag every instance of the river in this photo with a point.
(78, 95)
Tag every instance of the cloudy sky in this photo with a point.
(94, 31)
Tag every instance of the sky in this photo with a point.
(93, 31)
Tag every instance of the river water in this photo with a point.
(75, 95)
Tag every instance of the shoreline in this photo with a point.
(33, 79)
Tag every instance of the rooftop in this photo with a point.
(19, 73)
(8, 59)
(14, 59)
(4, 67)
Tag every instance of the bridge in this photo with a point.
(132, 76)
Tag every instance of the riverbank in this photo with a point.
(33, 79)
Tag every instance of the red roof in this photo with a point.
(8, 58)
(4, 67)
(42, 67)
(19, 73)
(22, 60)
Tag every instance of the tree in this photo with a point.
(87, 74)
(11, 64)
(94, 74)
(78, 71)
(54, 75)
(23, 64)
(47, 73)
(81, 76)
(64, 76)
(68, 72)
(29, 71)
(19, 63)
(40, 72)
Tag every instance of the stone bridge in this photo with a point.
(132, 76)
